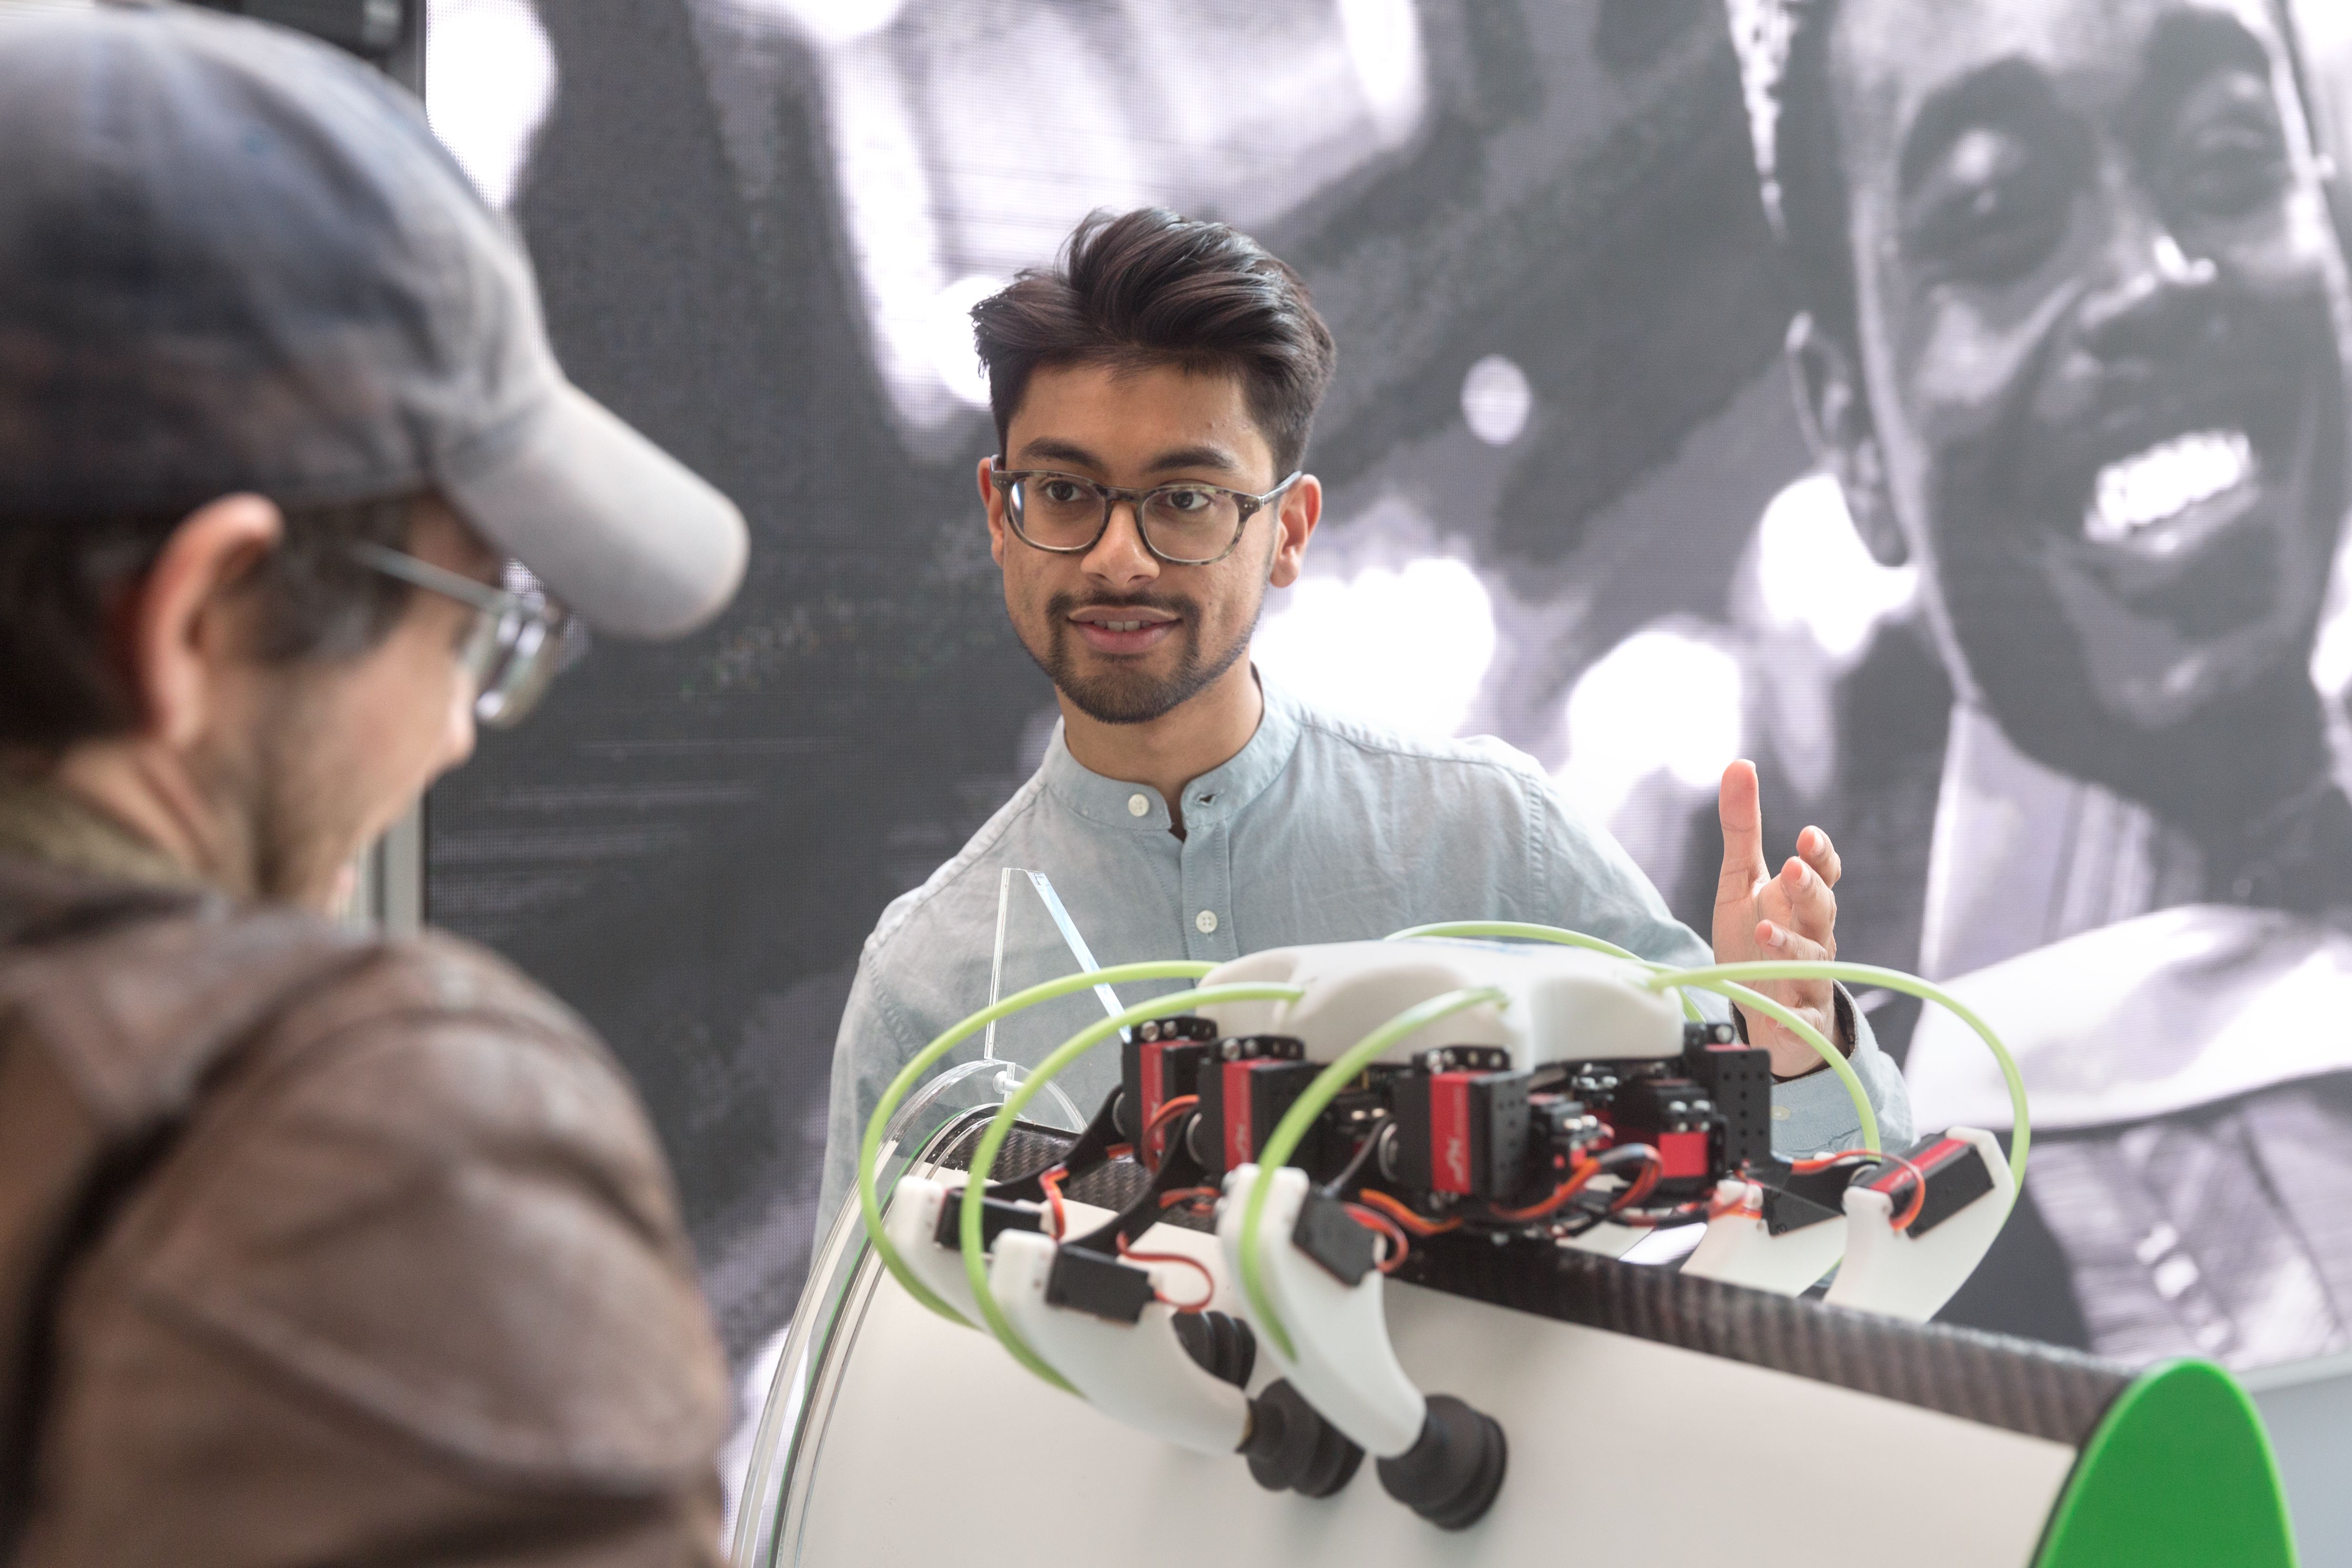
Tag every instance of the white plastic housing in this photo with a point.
(912, 1223)
(1740, 1248)
(1344, 1366)
(1566, 1004)
(1137, 1372)
(1901, 1275)
(885, 1477)
(902, 1394)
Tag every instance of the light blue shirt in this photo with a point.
(1319, 830)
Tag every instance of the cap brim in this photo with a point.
(628, 538)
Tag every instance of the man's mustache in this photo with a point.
(1062, 606)
(2256, 371)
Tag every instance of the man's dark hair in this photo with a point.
(59, 681)
(1150, 287)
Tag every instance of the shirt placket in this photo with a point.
(1208, 883)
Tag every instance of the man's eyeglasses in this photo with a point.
(1185, 523)
(518, 643)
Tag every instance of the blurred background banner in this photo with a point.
(2065, 699)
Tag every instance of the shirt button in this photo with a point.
(1781, 1113)
(1205, 922)
(1139, 805)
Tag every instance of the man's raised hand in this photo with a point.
(1791, 915)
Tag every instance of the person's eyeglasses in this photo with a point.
(1185, 523)
(519, 642)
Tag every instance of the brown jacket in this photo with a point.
(317, 1249)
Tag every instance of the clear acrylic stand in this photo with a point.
(842, 1280)
(1061, 922)
(919, 1110)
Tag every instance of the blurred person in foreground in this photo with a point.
(314, 1246)
(1153, 395)
(2074, 341)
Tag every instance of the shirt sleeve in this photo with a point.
(869, 1052)
(1815, 1114)
(1596, 888)
(420, 1295)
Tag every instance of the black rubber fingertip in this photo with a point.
(1292, 1447)
(1223, 1345)
(1453, 1470)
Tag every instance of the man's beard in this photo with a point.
(1126, 695)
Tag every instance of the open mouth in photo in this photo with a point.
(2184, 509)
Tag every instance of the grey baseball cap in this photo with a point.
(232, 259)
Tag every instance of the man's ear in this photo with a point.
(1835, 414)
(1295, 518)
(993, 498)
(177, 629)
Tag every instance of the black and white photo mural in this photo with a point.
(1944, 403)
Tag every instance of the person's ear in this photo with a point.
(178, 628)
(1294, 516)
(994, 500)
(1836, 412)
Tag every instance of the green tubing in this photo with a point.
(1521, 931)
(1829, 1054)
(2020, 1138)
(1292, 1127)
(992, 1142)
(869, 1152)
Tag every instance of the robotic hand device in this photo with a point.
(1371, 1198)
(1339, 1115)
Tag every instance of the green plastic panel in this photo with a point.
(2179, 1475)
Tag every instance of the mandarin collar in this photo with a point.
(1214, 798)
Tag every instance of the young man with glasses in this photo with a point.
(315, 1247)
(1153, 394)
